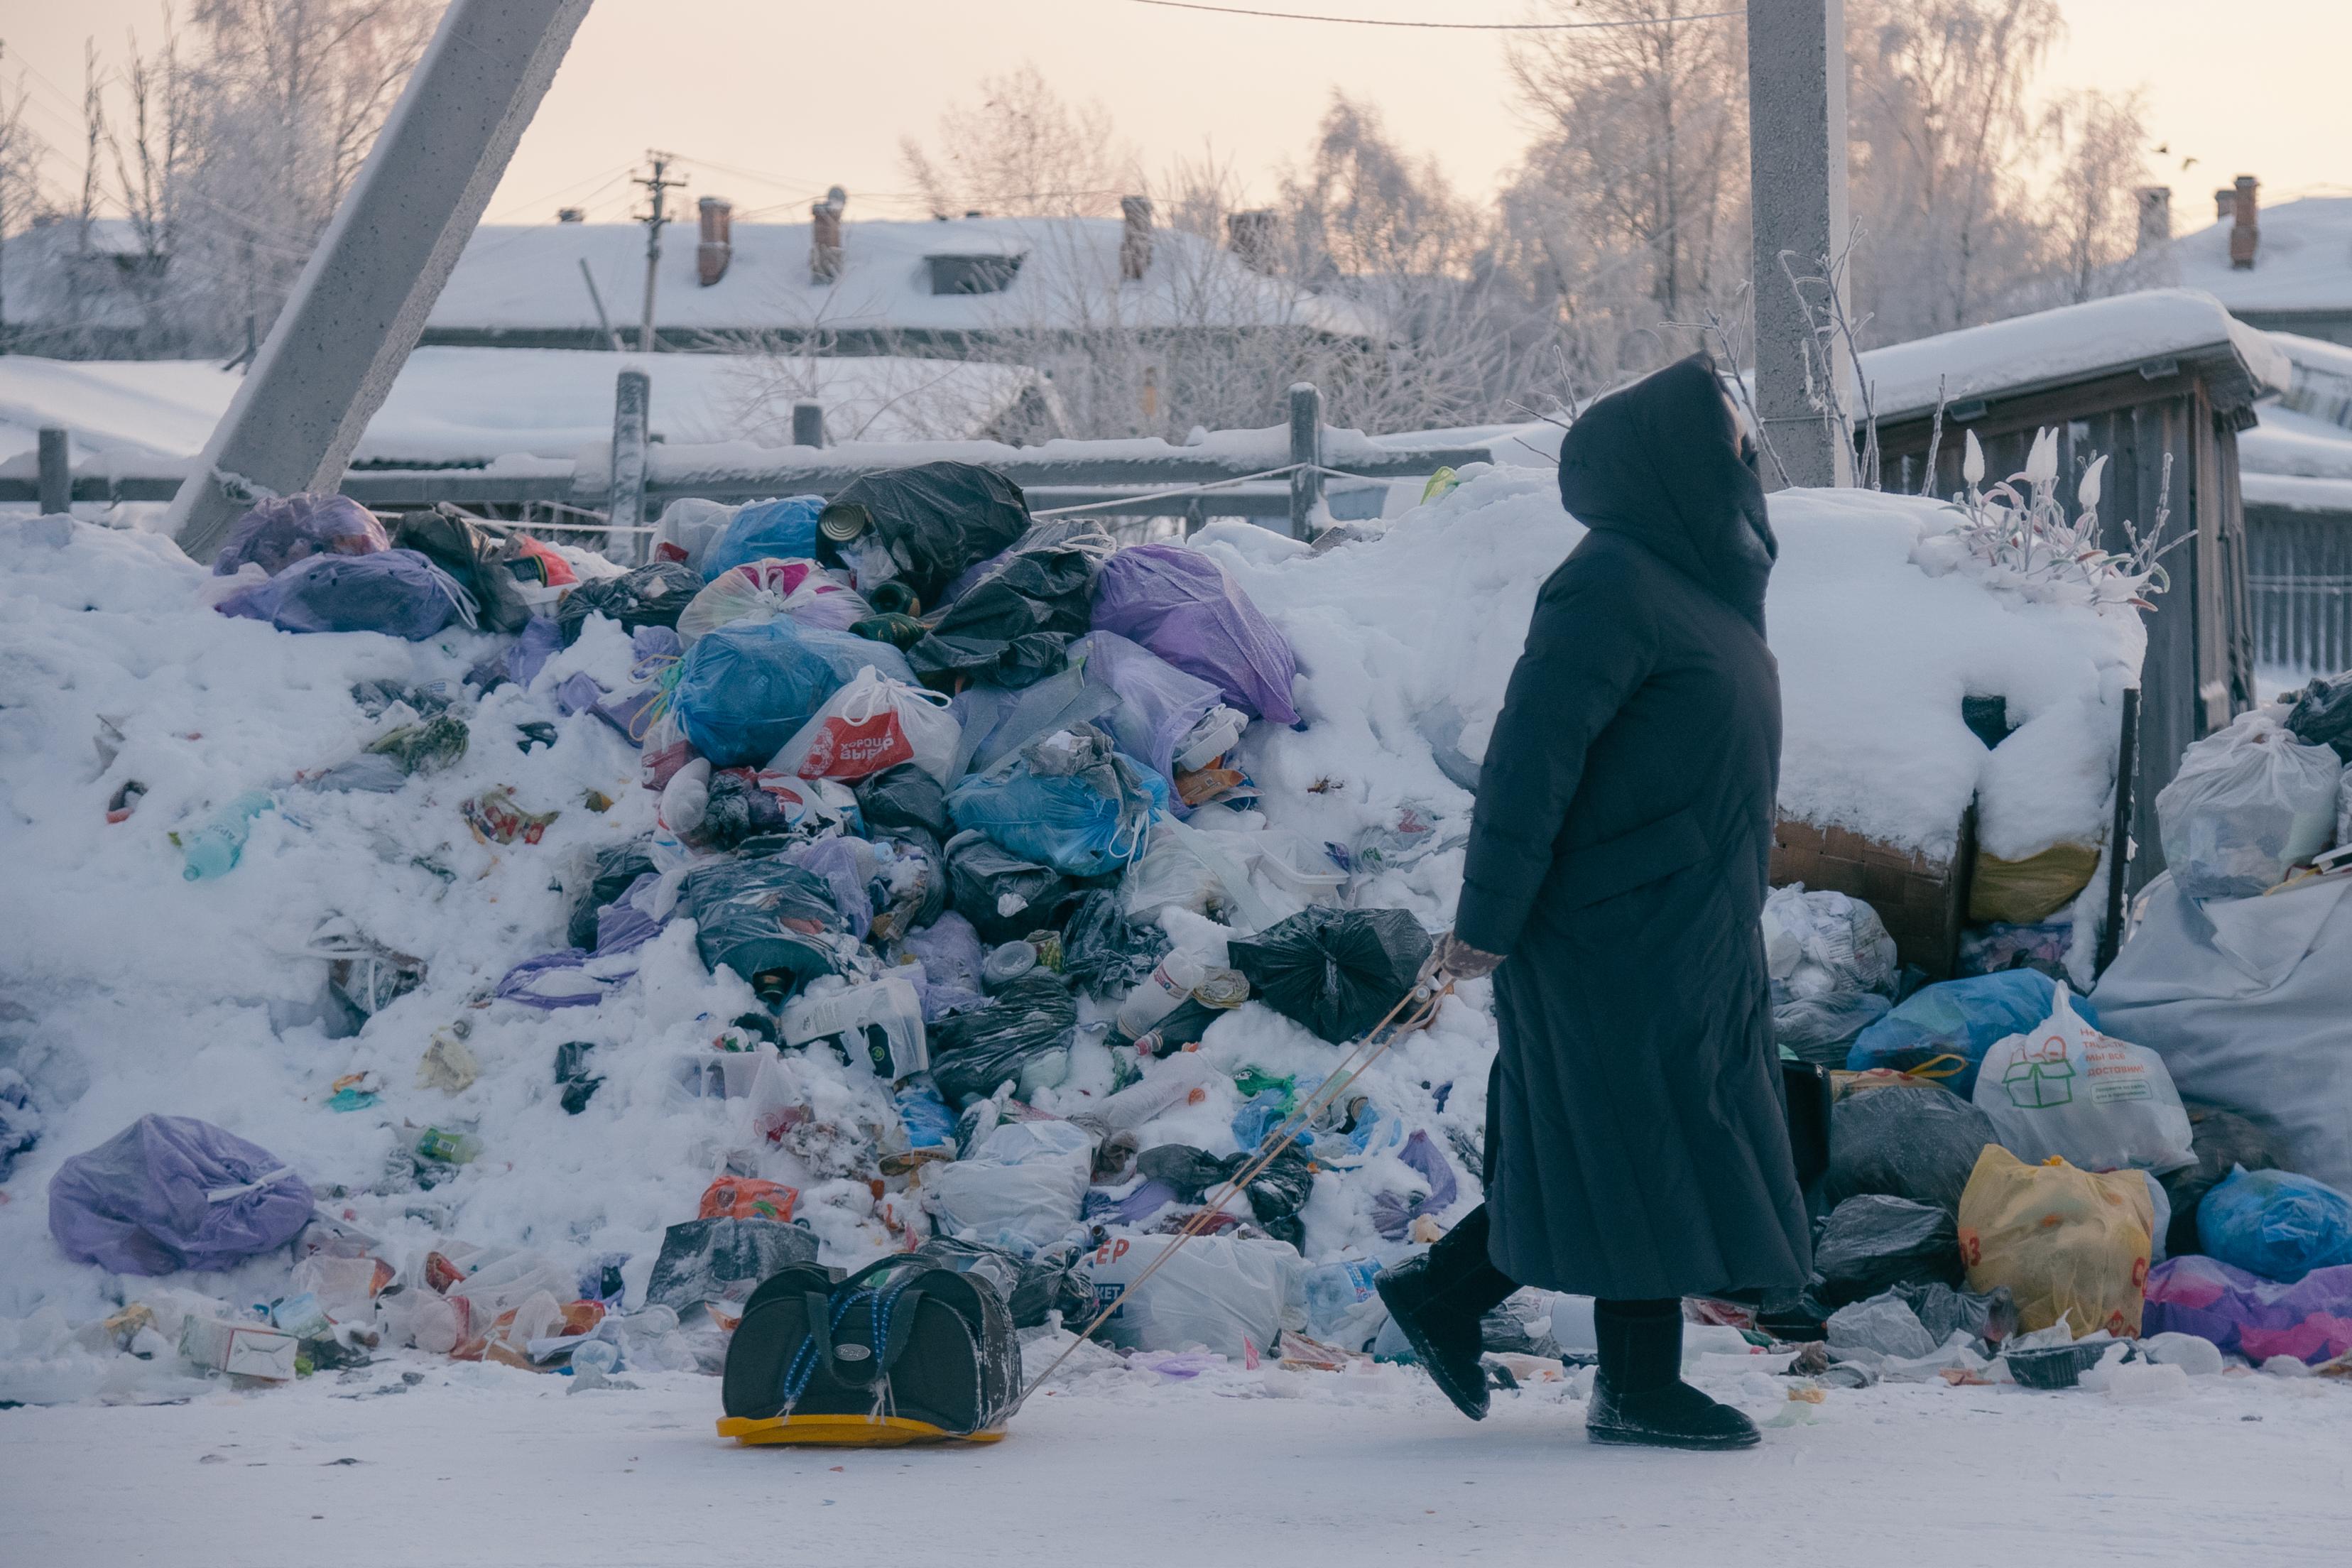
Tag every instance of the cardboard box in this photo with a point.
(241, 1350)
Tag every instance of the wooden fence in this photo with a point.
(2299, 577)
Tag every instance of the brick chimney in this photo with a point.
(2154, 219)
(824, 237)
(1135, 241)
(718, 246)
(2244, 232)
(1250, 236)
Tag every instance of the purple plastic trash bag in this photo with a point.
(1159, 704)
(2310, 1320)
(169, 1193)
(396, 592)
(278, 532)
(948, 952)
(1182, 606)
(1391, 1216)
(532, 647)
(557, 980)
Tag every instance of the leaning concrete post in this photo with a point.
(1797, 165)
(362, 300)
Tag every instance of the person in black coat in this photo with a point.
(1636, 1145)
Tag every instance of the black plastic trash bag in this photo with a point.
(921, 526)
(1010, 625)
(651, 595)
(904, 796)
(770, 923)
(1002, 896)
(1872, 1244)
(1102, 950)
(616, 866)
(1916, 1144)
(1276, 1193)
(571, 1075)
(2222, 1140)
(723, 1259)
(2322, 714)
(1337, 972)
(1944, 1312)
(1018, 1032)
(472, 554)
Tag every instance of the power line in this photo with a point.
(1445, 27)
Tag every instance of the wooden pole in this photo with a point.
(1306, 447)
(2119, 839)
(56, 470)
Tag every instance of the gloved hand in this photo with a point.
(1454, 959)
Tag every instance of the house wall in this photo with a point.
(2199, 669)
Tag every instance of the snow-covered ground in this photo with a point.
(487, 1464)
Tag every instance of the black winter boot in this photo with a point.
(1438, 1298)
(1638, 1396)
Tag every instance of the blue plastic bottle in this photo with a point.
(213, 849)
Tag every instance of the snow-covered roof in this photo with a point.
(2304, 261)
(2071, 343)
(473, 404)
(2285, 442)
(527, 279)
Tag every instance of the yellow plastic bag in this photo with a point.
(2066, 1242)
(2033, 889)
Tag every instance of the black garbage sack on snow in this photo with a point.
(1872, 1244)
(1010, 625)
(1944, 1311)
(1032, 1287)
(921, 526)
(1024, 1029)
(652, 595)
(615, 867)
(1274, 1194)
(904, 796)
(1916, 1144)
(2222, 1140)
(1102, 950)
(1337, 972)
(723, 1259)
(770, 923)
(1003, 895)
(472, 554)
(2322, 714)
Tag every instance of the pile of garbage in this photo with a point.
(893, 874)
(940, 834)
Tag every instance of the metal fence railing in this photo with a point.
(2299, 579)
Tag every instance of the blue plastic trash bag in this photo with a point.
(1159, 704)
(278, 532)
(1965, 1018)
(2275, 1223)
(1067, 800)
(169, 1193)
(766, 529)
(396, 592)
(745, 689)
(1182, 606)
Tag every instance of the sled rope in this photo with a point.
(1360, 1057)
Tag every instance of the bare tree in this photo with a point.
(1022, 151)
(2099, 142)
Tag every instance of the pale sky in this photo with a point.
(768, 101)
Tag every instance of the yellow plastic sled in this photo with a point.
(843, 1432)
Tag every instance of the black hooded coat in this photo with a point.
(1636, 1145)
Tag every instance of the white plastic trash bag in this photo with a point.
(2248, 1001)
(1024, 1185)
(760, 591)
(1230, 1295)
(870, 724)
(1831, 965)
(689, 526)
(2099, 1103)
(2247, 803)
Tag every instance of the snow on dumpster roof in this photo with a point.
(2071, 343)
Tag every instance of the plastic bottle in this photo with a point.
(1170, 981)
(1006, 962)
(213, 849)
(1170, 1084)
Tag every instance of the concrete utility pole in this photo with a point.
(361, 303)
(657, 187)
(1797, 167)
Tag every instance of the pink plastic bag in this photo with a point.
(763, 590)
